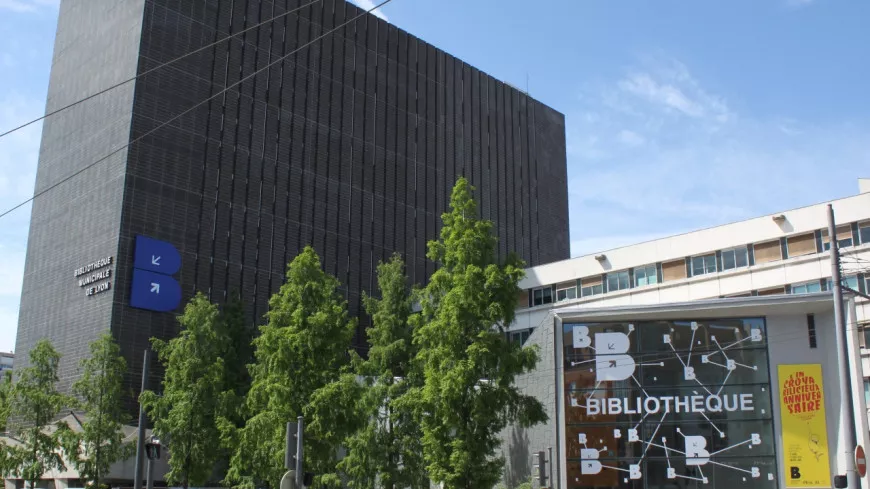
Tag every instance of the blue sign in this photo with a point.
(154, 291)
(156, 256)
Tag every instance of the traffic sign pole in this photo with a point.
(850, 437)
(289, 480)
(300, 425)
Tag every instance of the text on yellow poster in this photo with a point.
(804, 430)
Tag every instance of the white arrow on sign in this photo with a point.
(155, 287)
(155, 260)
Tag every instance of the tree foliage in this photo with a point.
(238, 351)
(302, 347)
(36, 405)
(185, 415)
(360, 410)
(99, 443)
(468, 365)
(387, 451)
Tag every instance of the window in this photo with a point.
(644, 341)
(645, 276)
(617, 281)
(735, 258)
(591, 286)
(541, 296)
(851, 282)
(773, 291)
(674, 270)
(592, 290)
(843, 243)
(702, 265)
(865, 335)
(844, 238)
(867, 391)
(864, 232)
(767, 252)
(802, 244)
(566, 294)
(587, 290)
(520, 336)
(806, 288)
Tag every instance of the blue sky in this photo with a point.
(680, 114)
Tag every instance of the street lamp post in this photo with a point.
(152, 451)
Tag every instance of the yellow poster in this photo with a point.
(804, 430)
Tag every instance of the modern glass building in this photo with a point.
(668, 402)
(351, 145)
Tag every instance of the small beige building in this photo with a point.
(120, 475)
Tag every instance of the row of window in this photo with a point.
(854, 282)
(863, 236)
(730, 259)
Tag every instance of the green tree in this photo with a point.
(5, 398)
(36, 404)
(469, 367)
(185, 414)
(100, 443)
(236, 379)
(385, 449)
(238, 351)
(302, 347)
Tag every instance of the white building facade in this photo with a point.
(782, 253)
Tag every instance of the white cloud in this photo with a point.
(672, 86)
(28, 5)
(642, 84)
(655, 153)
(368, 5)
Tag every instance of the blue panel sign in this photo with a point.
(156, 256)
(154, 291)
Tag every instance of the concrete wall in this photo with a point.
(78, 221)
(802, 220)
(520, 444)
(788, 344)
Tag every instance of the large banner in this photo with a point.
(804, 430)
(668, 404)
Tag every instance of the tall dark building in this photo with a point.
(352, 144)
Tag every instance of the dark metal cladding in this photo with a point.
(351, 145)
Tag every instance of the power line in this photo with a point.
(187, 111)
(163, 65)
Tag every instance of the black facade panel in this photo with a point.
(351, 145)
